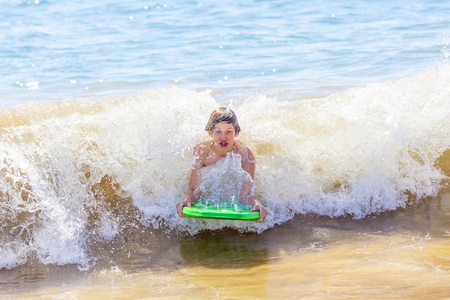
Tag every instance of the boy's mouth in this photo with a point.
(223, 144)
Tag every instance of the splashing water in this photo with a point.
(79, 172)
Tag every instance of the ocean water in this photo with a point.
(54, 50)
(346, 106)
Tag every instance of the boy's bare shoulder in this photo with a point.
(203, 145)
(244, 150)
(202, 148)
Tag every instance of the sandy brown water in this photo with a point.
(404, 254)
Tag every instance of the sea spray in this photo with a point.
(81, 173)
(359, 152)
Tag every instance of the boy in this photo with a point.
(223, 128)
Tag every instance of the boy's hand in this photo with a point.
(184, 202)
(257, 206)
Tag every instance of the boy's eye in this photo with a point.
(227, 132)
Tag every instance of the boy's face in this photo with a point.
(223, 135)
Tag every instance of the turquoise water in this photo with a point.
(55, 50)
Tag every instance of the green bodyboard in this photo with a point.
(229, 211)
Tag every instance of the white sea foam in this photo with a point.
(72, 172)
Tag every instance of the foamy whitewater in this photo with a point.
(346, 107)
(65, 166)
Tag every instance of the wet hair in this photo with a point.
(223, 114)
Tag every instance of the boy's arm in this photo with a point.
(192, 195)
(248, 164)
